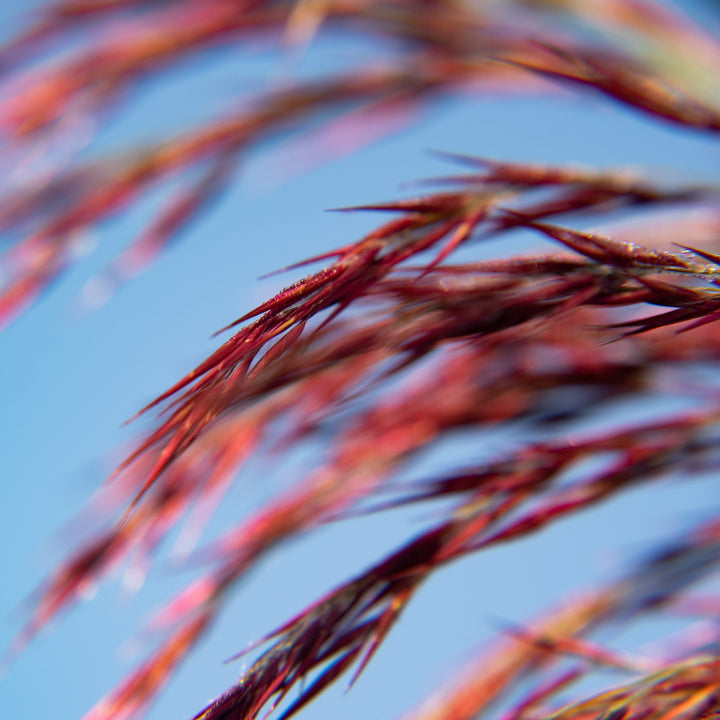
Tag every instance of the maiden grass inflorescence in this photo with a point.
(392, 346)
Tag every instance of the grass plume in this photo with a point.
(393, 345)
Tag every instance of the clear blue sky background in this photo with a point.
(69, 378)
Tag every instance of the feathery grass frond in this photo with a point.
(396, 344)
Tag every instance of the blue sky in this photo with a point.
(71, 377)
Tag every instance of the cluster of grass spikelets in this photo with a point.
(80, 58)
(434, 348)
(390, 348)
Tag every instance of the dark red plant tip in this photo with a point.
(623, 80)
